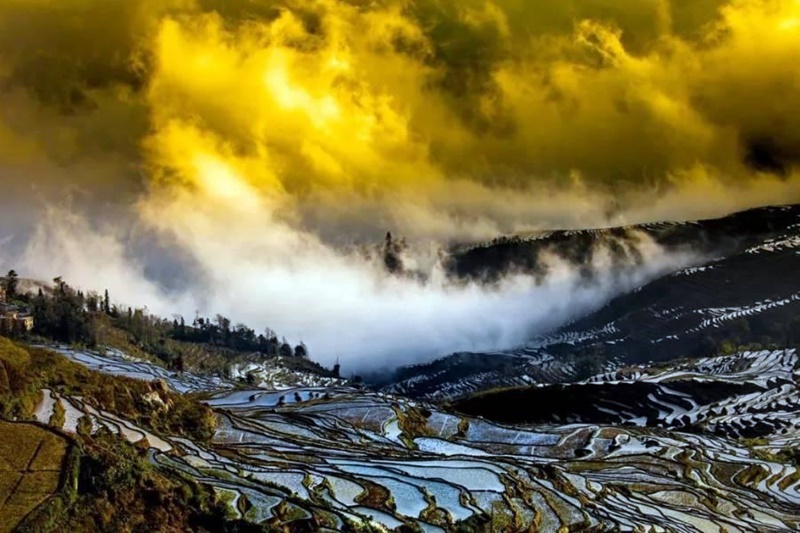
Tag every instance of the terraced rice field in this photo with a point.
(31, 461)
(746, 395)
(338, 456)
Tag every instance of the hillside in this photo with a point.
(68, 315)
(59, 473)
(750, 395)
(718, 238)
(344, 459)
(747, 294)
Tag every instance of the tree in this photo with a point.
(273, 346)
(224, 326)
(11, 283)
(300, 350)
(286, 350)
(106, 303)
(61, 286)
(391, 254)
(84, 426)
(92, 303)
(588, 366)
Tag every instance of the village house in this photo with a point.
(13, 319)
(15, 322)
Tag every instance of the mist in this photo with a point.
(233, 157)
(343, 305)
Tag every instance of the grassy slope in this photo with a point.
(108, 484)
(31, 461)
(29, 370)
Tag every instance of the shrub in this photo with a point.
(58, 418)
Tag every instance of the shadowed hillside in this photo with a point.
(746, 295)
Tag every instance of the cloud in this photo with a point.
(447, 106)
(253, 145)
(342, 305)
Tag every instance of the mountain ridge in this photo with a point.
(750, 296)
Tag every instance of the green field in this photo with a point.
(31, 460)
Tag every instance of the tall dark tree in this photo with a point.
(391, 254)
(286, 350)
(301, 351)
(92, 302)
(60, 286)
(11, 284)
(106, 303)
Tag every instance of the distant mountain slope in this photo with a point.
(716, 237)
(745, 395)
(749, 295)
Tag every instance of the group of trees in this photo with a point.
(68, 315)
(65, 315)
(239, 338)
(751, 333)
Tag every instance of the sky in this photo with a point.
(230, 155)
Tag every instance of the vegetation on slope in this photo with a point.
(24, 372)
(109, 485)
(66, 315)
(106, 483)
(718, 237)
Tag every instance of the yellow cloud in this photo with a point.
(413, 102)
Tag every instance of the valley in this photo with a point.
(673, 408)
(399, 266)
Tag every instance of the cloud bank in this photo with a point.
(193, 154)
